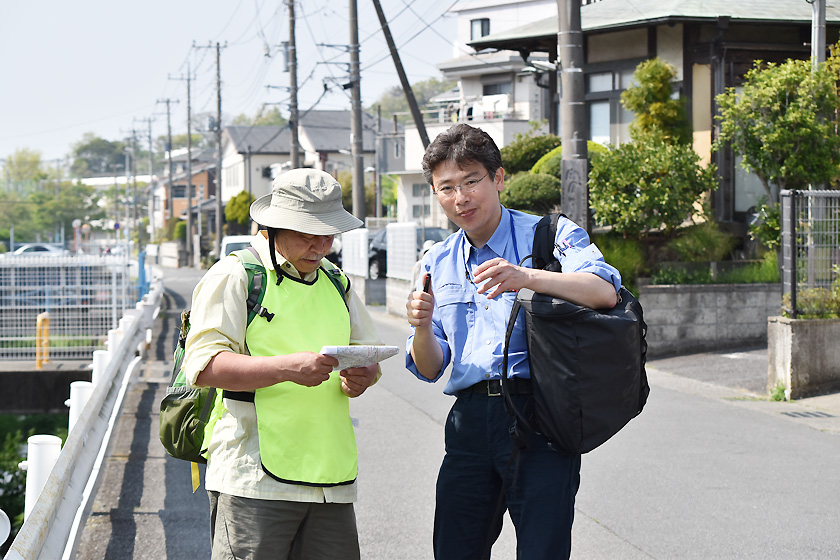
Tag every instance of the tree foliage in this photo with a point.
(650, 98)
(526, 149)
(93, 155)
(74, 201)
(783, 122)
(237, 210)
(550, 163)
(264, 117)
(538, 193)
(645, 185)
(24, 165)
(393, 101)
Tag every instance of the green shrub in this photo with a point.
(814, 303)
(646, 185)
(550, 162)
(180, 233)
(521, 154)
(767, 226)
(537, 193)
(627, 255)
(765, 272)
(703, 242)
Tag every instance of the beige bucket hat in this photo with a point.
(304, 200)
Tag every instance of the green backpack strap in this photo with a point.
(338, 278)
(257, 279)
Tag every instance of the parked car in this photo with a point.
(378, 248)
(40, 248)
(231, 243)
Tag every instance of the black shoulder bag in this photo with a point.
(587, 365)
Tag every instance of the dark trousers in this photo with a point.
(539, 489)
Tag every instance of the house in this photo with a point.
(711, 43)
(252, 155)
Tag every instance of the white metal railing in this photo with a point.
(52, 527)
(83, 294)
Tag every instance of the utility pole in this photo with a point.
(150, 200)
(575, 194)
(294, 152)
(817, 32)
(169, 151)
(188, 193)
(357, 146)
(409, 93)
(218, 132)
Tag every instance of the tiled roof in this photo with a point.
(612, 14)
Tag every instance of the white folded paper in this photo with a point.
(359, 356)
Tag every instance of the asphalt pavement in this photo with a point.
(711, 468)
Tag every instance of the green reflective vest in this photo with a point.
(306, 435)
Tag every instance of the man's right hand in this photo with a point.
(419, 308)
(308, 368)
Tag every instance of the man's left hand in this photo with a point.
(501, 276)
(354, 381)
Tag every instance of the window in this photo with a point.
(179, 191)
(609, 121)
(479, 28)
(419, 189)
(416, 210)
(497, 89)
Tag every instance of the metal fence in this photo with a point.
(810, 224)
(84, 296)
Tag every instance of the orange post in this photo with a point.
(42, 339)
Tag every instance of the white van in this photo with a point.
(232, 243)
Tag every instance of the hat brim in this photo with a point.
(328, 223)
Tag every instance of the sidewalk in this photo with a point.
(741, 376)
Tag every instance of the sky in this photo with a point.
(69, 68)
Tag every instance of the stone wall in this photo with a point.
(803, 355)
(683, 319)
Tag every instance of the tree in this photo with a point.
(645, 185)
(783, 123)
(393, 101)
(24, 165)
(74, 201)
(345, 179)
(650, 98)
(270, 117)
(93, 155)
(237, 210)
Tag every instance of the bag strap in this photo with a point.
(257, 280)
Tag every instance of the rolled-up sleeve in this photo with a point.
(572, 249)
(218, 316)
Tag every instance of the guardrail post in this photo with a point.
(100, 362)
(114, 338)
(42, 453)
(80, 392)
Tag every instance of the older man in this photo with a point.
(282, 464)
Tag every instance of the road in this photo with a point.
(708, 470)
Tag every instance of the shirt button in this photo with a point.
(486, 376)
(488, 341)
(486, 307)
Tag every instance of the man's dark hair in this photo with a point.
(462, 144)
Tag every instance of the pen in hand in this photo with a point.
(427, 283)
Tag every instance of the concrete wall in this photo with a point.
(803, 355)
(698, 318)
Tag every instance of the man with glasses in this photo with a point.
(461, 319)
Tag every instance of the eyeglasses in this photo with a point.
(467, 186)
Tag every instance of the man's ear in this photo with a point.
(499, 179)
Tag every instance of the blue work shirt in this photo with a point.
(470, 327)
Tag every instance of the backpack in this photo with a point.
(185, 411)
(587, 365)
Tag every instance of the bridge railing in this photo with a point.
(52, 527)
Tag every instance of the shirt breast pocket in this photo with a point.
(457, 315)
